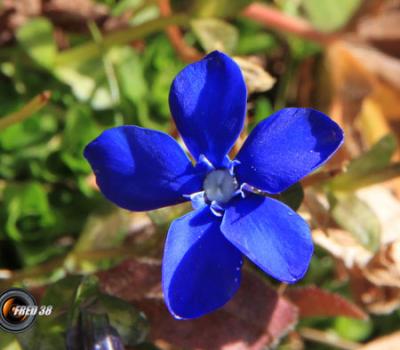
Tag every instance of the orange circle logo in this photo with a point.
(15, 306)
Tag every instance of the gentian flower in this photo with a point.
(140, 169)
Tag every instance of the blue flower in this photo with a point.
(140, 169)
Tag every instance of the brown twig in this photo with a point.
(275, 19)
(186, 53)
(33, 106)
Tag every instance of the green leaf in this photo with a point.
(75, 297)
(352, 329)
(131, 324)
(330, 15)
(80, 129)
(161, 67)
(36, 37)
(216, 34)
(28, 211)
(49, 332)
(355, 216)
(134, 86)
(253, 38)
(125, 5)
(102, 231)
(25, 133)
(371, 167)
(258, 42)
(376, 158)
(263, 109)
(88, 82)
(8, 341)
(90, 50)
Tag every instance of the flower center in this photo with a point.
(220, 186)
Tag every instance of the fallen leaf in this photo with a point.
(256, 77)
(384, 268)
(377, 300)
(132, 280)
(215, 34)
(379, 63)
(355, 215)
(313, 301)
(343, 246)
(386, 207)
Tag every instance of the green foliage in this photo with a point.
(330, 15)
(216, 34)
(354, 215)
(27, 211)
(80, 129)
(253, 39)
(46, 193)
(355, 330)
(74, 298)
(371, 167)
(217, 8)
(36, 37)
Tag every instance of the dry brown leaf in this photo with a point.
(375, 278)
(343, 246)
(379, 63)
(372, 122)
(388, 99)
(376, 299)
(132, 280)
(14, 13)
(386, 207)
(74, 14)
(69, 14)
(313, 301)
(382, 27)
(351, 83)
(384, 268)
(256, 77)
(366, 91)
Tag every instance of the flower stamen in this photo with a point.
(220, 186)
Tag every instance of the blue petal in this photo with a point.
(201, 269)
(208, 103)
(141, 169)
(271, 235)
(287, 146)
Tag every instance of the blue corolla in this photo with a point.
(140, 169)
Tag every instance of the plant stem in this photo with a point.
(275, 19)
(26, 111)
(185, 52)
(89, 50)
(327, 338)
